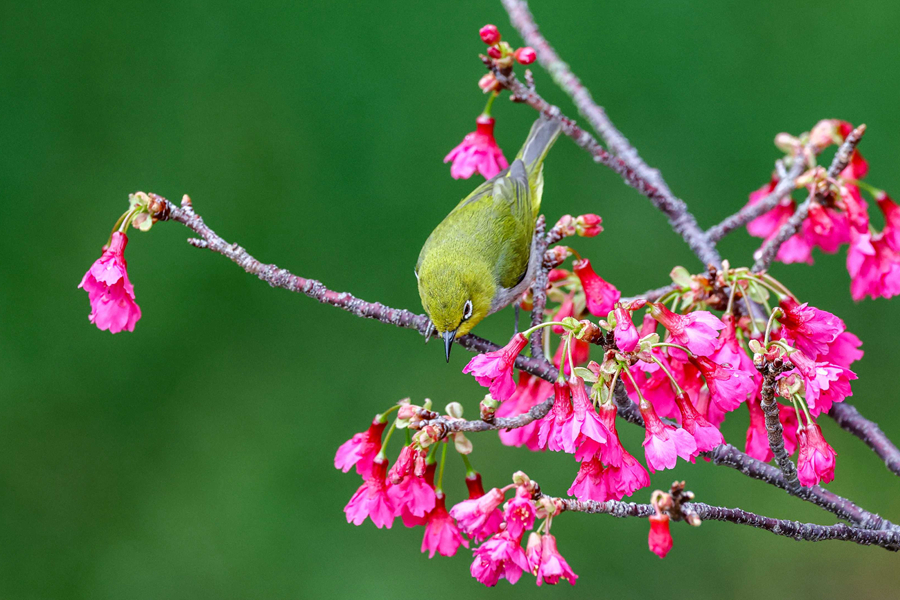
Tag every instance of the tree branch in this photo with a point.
(774, 429)
(848, 417)
(807, 532)
(682, 221)
(539, 291)
(769, 250)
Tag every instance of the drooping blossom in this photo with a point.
(600, 295)
(873, 266)
(659, 540)
(442, 536)
(706, 436)
(808, 328)
(729, 352)
(360, 450)
(589, 483)
(520, 513)
(796, 249)
(826, 228)
(477, 152)
(815, 463)
(891, 212)
(371, 499)
(585, 425)
(657, 388)
(494, 370)
(825, 383)
(500, 556)
(663, 444)
(414, 497)
(727, 387)
(612, 451)
(552, 431)
(110, 291)
(697, 331)
(844, 350)
(530, 392)
(552, 566)
(411, 456)
(757, 441)
(625, 333)
(856, 209)
(596, 481)
(479, 516)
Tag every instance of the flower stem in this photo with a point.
(387, 438)
(569, 353)
(775, 314)
(528, 332)
(470, 470)
(669, 374)
(382, 418)
(671, 345)
(440, 479)
(487, 107)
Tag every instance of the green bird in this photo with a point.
(482, 256)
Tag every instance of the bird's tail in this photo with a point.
(541, 137)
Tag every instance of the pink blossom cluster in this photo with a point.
(873, 258)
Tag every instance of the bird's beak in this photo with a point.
(448, 342)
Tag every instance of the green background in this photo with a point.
(193, 457)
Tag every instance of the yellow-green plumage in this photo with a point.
(479, 259)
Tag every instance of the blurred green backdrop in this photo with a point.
(193, 458)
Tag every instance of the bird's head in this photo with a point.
(456, 295)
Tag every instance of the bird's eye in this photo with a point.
(467, 310)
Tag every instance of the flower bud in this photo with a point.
(495, 52)
(462, 444)
(520, 478)
(787, 143)
(488, 408)
(588, 225)
(455, 410)
(489, 34)
(557, 275)
(525, 55)
(489, 83)
(566, 226)
(556, 255)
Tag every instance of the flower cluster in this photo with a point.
(838, 215)
(479, 152)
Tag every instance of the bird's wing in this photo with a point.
(512, 204)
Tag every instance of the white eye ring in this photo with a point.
(467, 310)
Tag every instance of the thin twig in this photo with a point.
(539, 291)
(774, 429)
(806, 532)
(682, 221)
(849, 419)
(770, 249)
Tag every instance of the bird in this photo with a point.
(483, 256)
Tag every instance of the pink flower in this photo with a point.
(499, 557)
(697, 331)
(529, 392)
(816, 461)
(856, 209)
(441, 534)
(585, 424)
(757, 444)
(109, 289)
(808, 328)
(371, 500)
(410, 456)
(625, 480)
(659, 540)
(730, 353)
(766, 226)
(826, 228)
(705, 435)
(360, 450)
(612, 451)
(552, 432)
(552, 566)
(625, 332)
(589, 483)
(520, 513)
(414, 497)
(891, 212)
(825, 383)
(479, 516)
(844, 350)
(663, 444)
(477, 152)
(600, 295)
(494, 370)
(874, 268)
(727, 387)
